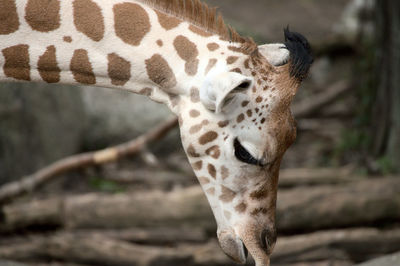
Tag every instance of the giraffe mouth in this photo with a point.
(233, 247)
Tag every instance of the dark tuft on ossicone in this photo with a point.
(300, 54)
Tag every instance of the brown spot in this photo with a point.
(197, 165)
(192, 152)
(160, 72)
(240, 118)
(237, 49)
(257, 110)
(191, 67)
(88, 19)
(48, 67)
(119, 69)
(67, 39)
(262, 120)
(132, 22)
(212, 46)
(260, 193)
(249, 113)
(241, 207)
(174, 99)
(224, 172)
(208, 137)
(246, 63)
(160, 43)
(43, 15)
(227, 195)
(245, 103)
(199, 31)
(194, 95)
(210, 191)
(231, 59)
(146, 91)
(9, 22)
(214, 151)
(223, 123)
(81, 67)
(203, 180)
(237, 70)
(227, 215)
(194, 113)
(16, 63)
(205, 122)
(259, 99)
(195, 128)
(257, 211)
(167, 22)
(211, 64)
(187, 50)
(211, 170)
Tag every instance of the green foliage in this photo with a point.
(105, 185)
(385, 165)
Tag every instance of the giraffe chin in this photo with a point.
(236, 249)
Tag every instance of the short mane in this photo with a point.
(200, 15)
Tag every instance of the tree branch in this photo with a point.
(316, 102)
(31, 182)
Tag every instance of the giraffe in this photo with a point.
(232, 96)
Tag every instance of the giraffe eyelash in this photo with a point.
(244, 156)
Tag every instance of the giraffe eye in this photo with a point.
(243, 155)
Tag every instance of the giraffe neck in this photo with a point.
(107, 43)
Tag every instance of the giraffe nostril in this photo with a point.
(268, 239)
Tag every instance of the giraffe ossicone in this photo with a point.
(232, 97)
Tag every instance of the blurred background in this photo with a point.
(339, 191)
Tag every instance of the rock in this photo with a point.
(38, 126)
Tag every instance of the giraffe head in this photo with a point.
(235, 127)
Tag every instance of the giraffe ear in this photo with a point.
(219, 90)
(276, 53)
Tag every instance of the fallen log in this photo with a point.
(92, 249)
(301, 209)
(289, 178)
(362, 203)
(153, 236)
(146, 209)
(355, 245)
(337, 247)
